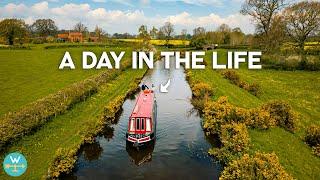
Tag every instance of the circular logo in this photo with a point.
(15, 164)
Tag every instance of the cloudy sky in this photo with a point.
(127, 15)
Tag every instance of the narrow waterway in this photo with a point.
(180, 150)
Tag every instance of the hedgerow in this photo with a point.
(235, 142)
(312, 138)
(16, 124)
(275, 113)
(231, 75)
(260, 166)
(65, 159)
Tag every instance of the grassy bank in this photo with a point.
(300, 89)
(66, 131)
(28, 75)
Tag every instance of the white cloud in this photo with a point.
(67, 15)
(40, 8)
(100, 1)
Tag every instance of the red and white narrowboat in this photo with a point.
(142, 121)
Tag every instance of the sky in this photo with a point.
(127, 15)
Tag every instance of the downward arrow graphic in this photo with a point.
(163, 88)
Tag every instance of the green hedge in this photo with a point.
(16, 124)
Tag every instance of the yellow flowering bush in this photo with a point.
(235, 142)
(260, 166)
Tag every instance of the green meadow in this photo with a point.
(301, 89)
(27, 75)
(37, 76)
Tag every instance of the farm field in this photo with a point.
(27, 75)
(159, 42)
(65, 131)
(299, 88)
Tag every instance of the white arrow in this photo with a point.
(163, 88)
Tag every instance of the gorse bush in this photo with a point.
(200, 90)
(16, 124)
(63, 163)
(275, 113)
(312, 138)
(231, 75)
(260, 166)
(235, 142)
(112, 108)
(282, 113)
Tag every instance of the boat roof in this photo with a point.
(144, 105)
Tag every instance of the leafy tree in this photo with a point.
(10, 29)
(44, 27)
(168, 31)
(263, 12)
(224, 30)
(302, 20)
(153, 33)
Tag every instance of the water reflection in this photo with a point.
(92, 151)
(181, 150)
(141, 155)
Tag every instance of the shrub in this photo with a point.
(232, 76)
(282, 113)
(316, 150)
(63, 163)
(259, 118)
(235, 142)
(260, 166)
(112, 108)
(312, 136)
(200, 90)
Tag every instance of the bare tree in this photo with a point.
(79, 27)
(168, 31)
(199, 31)
(302, 20)
(99, 32)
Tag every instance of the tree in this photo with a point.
(44, 27)
(143, 32)
(184, 34)
(168, 31)
(302, 20)
(198, 31)
(224, 31)
(263, 12)
(153, 33)
(79, 27)
(236, 36)
(10, 29)
(99, 33)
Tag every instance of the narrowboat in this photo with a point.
(143, 119)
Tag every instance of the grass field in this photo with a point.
(27, 75)
(65, 131)
(300, 89)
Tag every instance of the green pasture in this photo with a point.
(301, 89)
(65, 130)
(27, 75)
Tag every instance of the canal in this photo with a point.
(180, 150)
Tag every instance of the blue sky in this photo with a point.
(127, 15)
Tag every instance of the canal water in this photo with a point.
(180, 149)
